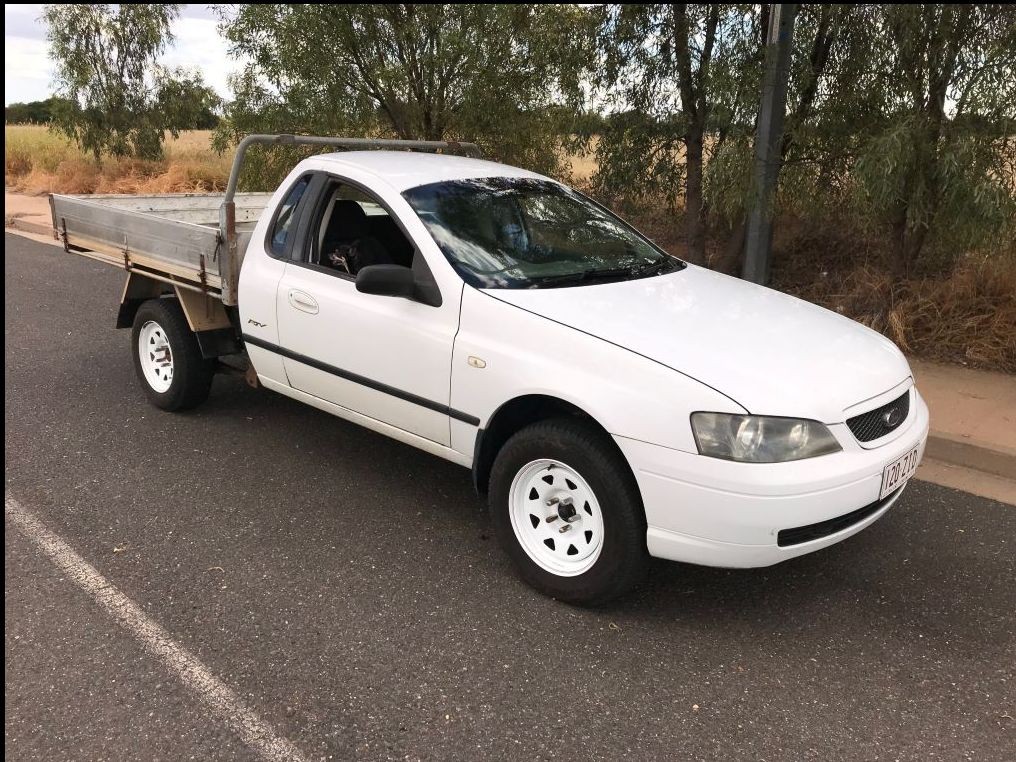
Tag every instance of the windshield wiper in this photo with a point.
(606, 273)
(582, 276)
(653, 268)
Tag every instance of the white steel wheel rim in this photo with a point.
(156, 356)
(545, 497)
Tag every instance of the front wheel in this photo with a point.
(167, 358)
(568, 512)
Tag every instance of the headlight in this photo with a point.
(759, 438)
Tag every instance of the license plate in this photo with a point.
(897, 472)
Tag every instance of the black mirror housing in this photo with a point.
(386, 280)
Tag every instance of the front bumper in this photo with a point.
(719, 513)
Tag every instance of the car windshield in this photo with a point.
(507, 232)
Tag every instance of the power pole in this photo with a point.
(759, 234)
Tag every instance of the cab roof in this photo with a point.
(408, 169)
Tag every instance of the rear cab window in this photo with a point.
(282, 227)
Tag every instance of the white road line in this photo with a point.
(216, 695)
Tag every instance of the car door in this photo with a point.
(388, 358)
(264, 264)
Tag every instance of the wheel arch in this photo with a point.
(206, 317)
(511, 417)
(136, 291)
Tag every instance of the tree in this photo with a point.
(117, 98)
(494, 74)
(941, 156)
(675, 74)
(33, 112)
(903, 118)
(821, 115)
(189, 103)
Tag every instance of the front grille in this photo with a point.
(880, 421)
(797, 535)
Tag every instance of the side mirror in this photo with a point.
(386, 280)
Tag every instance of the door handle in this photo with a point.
(303, 301)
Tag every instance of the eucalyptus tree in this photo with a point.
(113, 95)
(824, 107)
(938, 161)
(676, 81)
(501, 75)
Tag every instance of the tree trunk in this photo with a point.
(898, 265)
(430, 129)
(908, 242)
(695, 107)
(693, 202)
(730, 260)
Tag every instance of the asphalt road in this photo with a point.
(347, 588)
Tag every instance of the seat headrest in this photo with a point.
(348, 221)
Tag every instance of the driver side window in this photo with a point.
(351, 230)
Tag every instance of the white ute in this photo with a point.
(613, 402)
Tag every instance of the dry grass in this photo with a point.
(36, 161)
(966, 314)
(582, 166)
(967, 317)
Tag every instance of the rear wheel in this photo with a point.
(566, 508)
(167, 358)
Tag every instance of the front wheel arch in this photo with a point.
(513, 416)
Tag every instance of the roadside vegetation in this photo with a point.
(114, 96)
(897, 199)
(37, 161)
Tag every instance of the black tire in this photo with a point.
(192, 374)
(623, 558)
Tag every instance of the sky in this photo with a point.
(28, 72)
